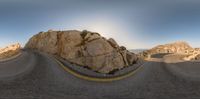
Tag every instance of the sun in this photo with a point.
(106, 26)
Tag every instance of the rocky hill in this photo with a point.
(175, 48)
(84, 48)
(9, 51)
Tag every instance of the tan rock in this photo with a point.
(177, 48)
(10, 51)
(98, 47)
(197, 57)
(124, 53)
(91, 36)
(113, 43)
(44, 42)
(105, 63)
(69, 43)
(131, 58)
(83, 48)
(112, 62)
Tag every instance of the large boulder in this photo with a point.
(84, 48)
(131, 58)
(98, 47)
(69, 44)
(197, 57)
(113, 43)
(44, 41)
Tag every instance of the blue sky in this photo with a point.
(132, 23)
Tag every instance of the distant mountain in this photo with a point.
(179, 47)
(176, 47)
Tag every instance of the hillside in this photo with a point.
(179, 47)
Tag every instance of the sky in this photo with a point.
(134, 24)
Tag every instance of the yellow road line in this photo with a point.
(97, 79)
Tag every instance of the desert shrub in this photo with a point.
(84, 33)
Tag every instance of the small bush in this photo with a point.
(84, 33)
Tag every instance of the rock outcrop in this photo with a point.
(84, 48)
(193, 54)
(177, 47)
(10, 51)
(174, 48)
(197, 57)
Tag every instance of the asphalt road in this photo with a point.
(160, 55)
(47, 80)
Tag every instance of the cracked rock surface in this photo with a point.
(84, 48)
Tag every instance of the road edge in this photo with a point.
(95, 79)
(11, 58)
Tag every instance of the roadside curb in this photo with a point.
(96, 79)
(11, 58)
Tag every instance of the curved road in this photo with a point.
(45, 79)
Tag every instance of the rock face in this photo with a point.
(175, 48)
(193, 54)
(10, 51)
(84, 48)
(197, 57)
